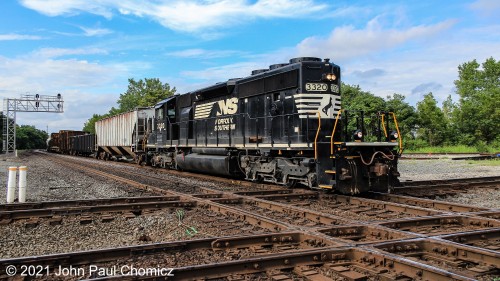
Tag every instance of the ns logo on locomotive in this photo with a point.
(283, 124)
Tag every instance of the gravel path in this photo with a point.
(437, 169)
(454, 169)
(48, 181)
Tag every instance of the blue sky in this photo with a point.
(86, 50)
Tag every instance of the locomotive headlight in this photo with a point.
(358, 135)
(329, 77)
(394, 135)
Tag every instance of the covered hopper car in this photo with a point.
(124, 136)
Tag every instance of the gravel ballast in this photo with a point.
(20, 239)
(49, 181)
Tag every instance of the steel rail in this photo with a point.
(425, 203)
(8, 216)
(84, 202)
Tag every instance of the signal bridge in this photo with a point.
(27, 103)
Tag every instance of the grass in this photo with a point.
(450, 149)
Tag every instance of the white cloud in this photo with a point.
(425, 88)
(13, 36)
(68, 7)
(60, 52)
(374, 72)
(89, 32)
(197, 16)
(347, 42)
(204, 54)
(47, 74)
(413, 72)
(486, 7)
(225, 72)
(87, 87)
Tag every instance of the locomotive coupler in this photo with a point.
(379, 169)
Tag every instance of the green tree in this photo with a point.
(139, 94)
(29, 137)
(89, 126)
(450, 111)
(479, 89)
(144, 93)
(405, 113)
(431, 121)
(353, 98)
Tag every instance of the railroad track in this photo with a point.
(454, 156)
(469, 181)
(307, 235)
(442, 188)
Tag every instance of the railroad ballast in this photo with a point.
(283, 125)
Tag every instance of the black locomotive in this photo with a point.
(282, 125)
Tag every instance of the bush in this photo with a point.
(496, 145)
(414, 144)
(482, 147)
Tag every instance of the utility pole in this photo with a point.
(27, 103)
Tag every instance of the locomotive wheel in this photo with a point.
(288, 182)
(291, 183)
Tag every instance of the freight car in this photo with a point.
(65, 140)
(61, 142)
(283, 125)
(53, 143)
(83, 145)
(124, 136)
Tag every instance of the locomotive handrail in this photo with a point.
(316, 138)
(248, 117)
(333, 132)
(400, 138)
(383, 125)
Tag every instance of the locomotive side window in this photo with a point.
(171, 111)
(159, 113)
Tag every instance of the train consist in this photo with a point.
(283, 125)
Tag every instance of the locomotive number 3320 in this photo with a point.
(316, 87)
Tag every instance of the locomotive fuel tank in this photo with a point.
(210, 164)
